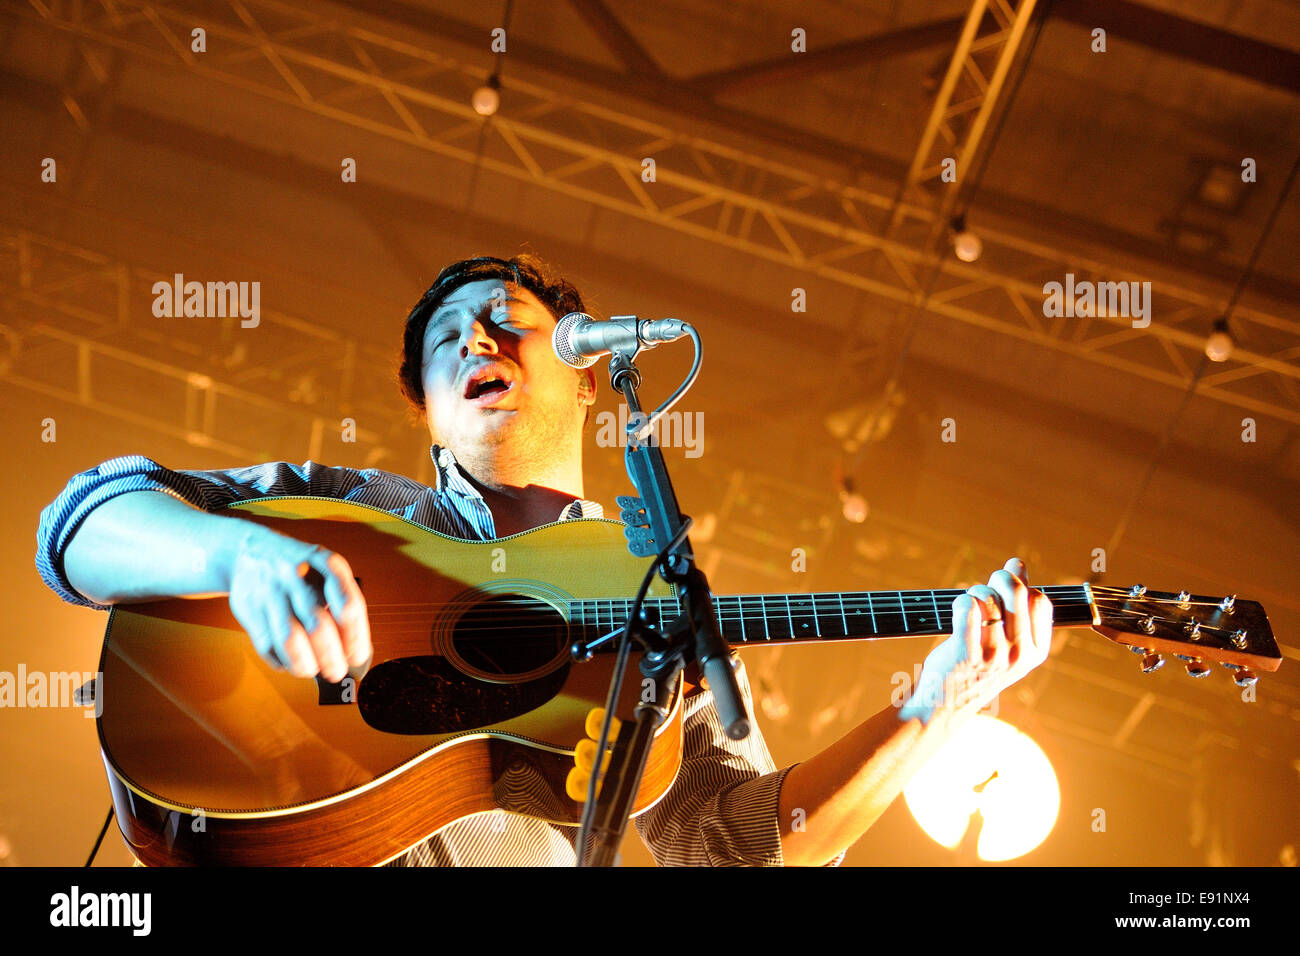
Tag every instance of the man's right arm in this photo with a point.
(126, 532)
(145, 545)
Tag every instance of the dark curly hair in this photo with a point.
(528, 271)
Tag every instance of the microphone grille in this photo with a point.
(562, 341)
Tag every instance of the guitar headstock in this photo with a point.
(1196, 628)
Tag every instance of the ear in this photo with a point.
(587, 386)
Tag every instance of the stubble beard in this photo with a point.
(510, 452)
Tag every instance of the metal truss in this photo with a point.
(963, 106)
(318, 59)
(202, 381)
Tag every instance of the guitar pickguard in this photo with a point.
(427, 695)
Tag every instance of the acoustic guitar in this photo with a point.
(471, 702)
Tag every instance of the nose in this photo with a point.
(477, 341)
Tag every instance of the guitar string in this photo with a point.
(729, 620)
(887, 602)
(799, 605)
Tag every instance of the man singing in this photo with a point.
(505, 417)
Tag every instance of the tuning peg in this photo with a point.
(1184, 599)
(1197, 668)
(1137, 590)
(1226, 604)
(1244, 678)
(1148, 624)
(1194, 630)
(1137, 650)
(1152, 662)
(1238, 638)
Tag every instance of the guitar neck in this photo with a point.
(748, 619)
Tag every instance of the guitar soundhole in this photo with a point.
(509, 635)
(506, 655)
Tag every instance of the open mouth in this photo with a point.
(487, 385)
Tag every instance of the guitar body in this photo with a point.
(471, 702)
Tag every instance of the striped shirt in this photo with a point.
(722, 809)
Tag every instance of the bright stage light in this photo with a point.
(990, 767)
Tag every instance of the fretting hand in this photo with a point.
(1000, 632)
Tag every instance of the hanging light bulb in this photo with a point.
(965, 243)
(853, 505)
(1218, 347)
(487, 98)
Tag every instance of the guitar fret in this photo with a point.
(797, 601)
(786, 617)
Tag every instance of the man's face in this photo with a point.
(491, 376)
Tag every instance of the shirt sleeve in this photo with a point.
(209, 490)
(723, 808)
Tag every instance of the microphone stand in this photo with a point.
(692, 636)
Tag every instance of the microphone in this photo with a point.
(579, 339)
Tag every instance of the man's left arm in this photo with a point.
(1001, 631)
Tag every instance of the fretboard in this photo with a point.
(747, 619)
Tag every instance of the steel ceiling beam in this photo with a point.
(966, 100)
(42, 279)
(1186, 39)
(838, 56)
(788, 216)
(616, 37)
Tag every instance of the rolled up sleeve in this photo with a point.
(208, 490)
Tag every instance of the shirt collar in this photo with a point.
(448, 477)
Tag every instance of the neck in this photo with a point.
(523, 490)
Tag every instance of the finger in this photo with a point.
(992, 625)
(1040, 607)
(335, 593)
(967, 617)
(1015, 598)
(318, 624)
(301, 657)
(290, 641)
(258, 628)
(355, 620)
(1018, 568)
(328, 648)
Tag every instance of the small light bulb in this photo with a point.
(775, 706)
(486, 99)
(854, 506)
(967, 246)
(1218, 347)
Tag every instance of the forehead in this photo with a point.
(482, 290)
